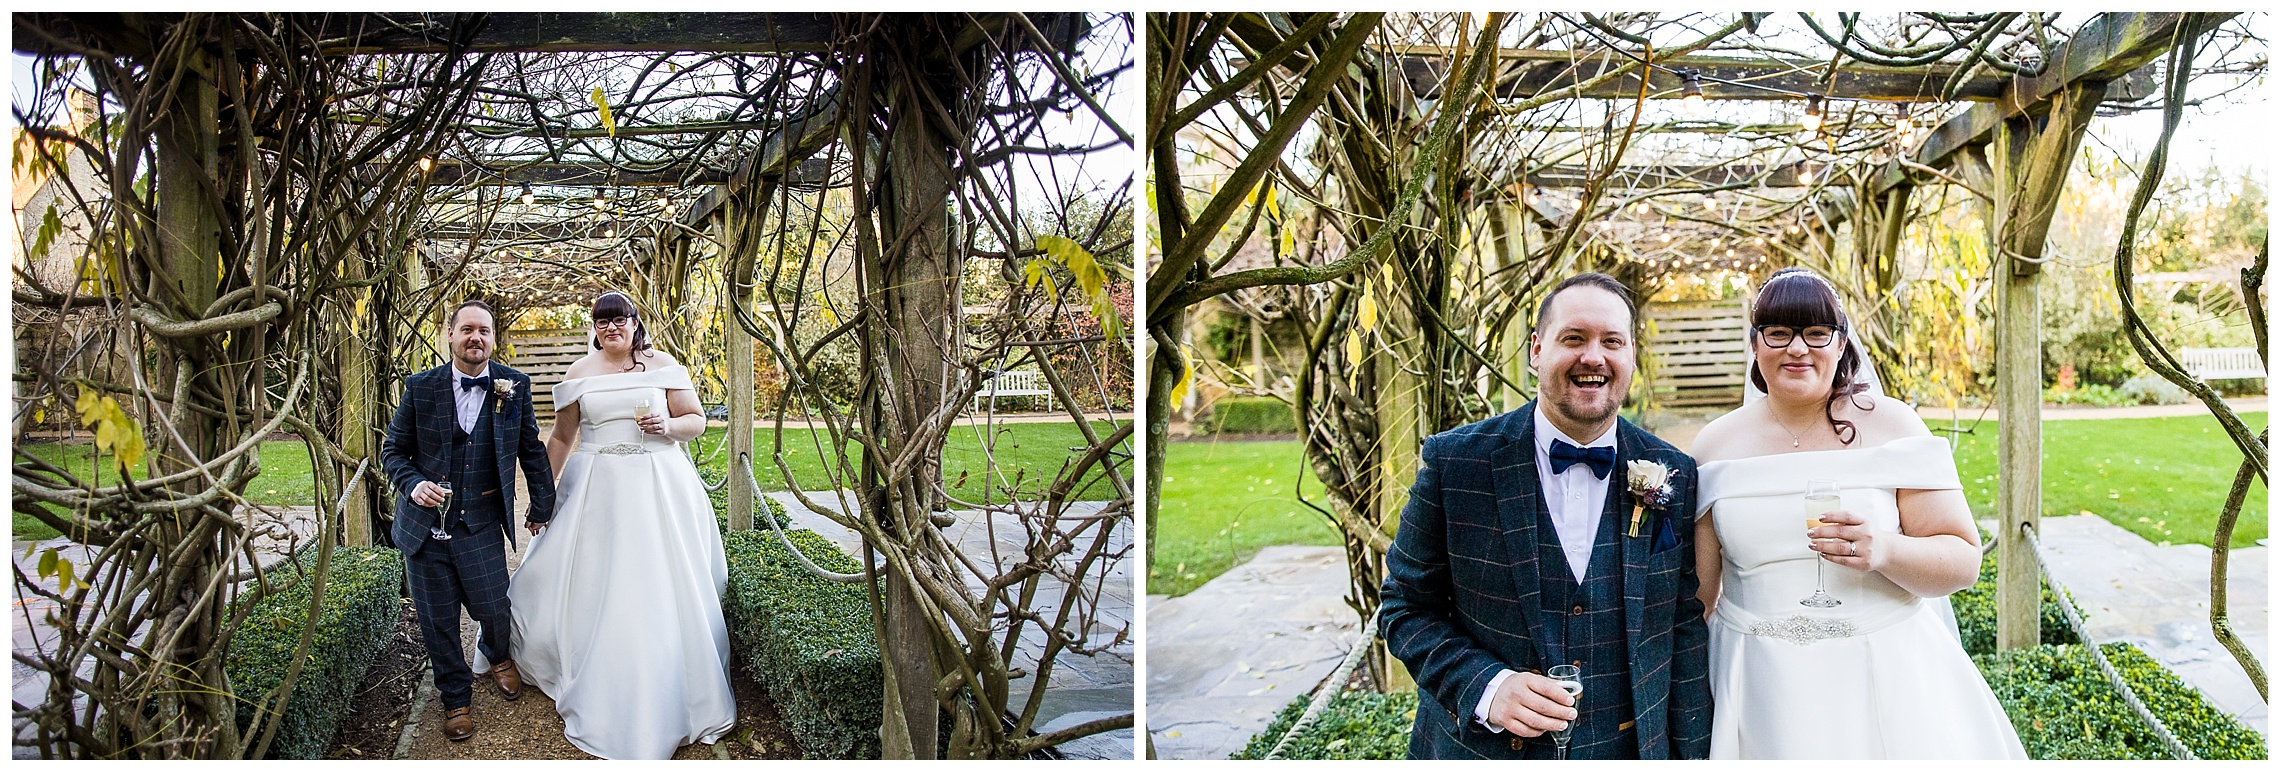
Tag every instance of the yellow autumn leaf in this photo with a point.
(1288, 245)
(1368, 318)
(1180, 387)
(1353, 348)
(602, 102)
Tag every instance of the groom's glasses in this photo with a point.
(613, 322)
(1816, 336)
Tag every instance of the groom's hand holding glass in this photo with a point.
(1529, 705)
(429, 494)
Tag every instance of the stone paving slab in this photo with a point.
(2158, 599)
(1222, 660)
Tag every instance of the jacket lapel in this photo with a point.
(1519, 506)
(1630, 444)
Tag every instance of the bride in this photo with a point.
(1881, 673)
(617, 602)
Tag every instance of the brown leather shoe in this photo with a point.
(507, 679)
(458, 724)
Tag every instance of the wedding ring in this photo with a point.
(1852, 549)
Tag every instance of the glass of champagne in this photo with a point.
(1820, 499)
(442, 512)
(641, 408)
(1570, 679)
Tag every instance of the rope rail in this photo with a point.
(2074, 620)
(1329, 688)
(758, 498)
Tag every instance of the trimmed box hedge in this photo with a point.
(1251, 415)
(361, 606)
(1355, 725)
(807, 640)
(2063, 707)
(1975, 613)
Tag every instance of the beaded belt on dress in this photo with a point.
(623, 449)
(1801, 629)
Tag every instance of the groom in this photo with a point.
(1517, 552)
(462, 428)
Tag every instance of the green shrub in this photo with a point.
(1355, 725)
(1251, 415)
(360, 610)
(1975, 612)
(2063, 708)
(2153, 390)
(807, 640)
(2092, 394)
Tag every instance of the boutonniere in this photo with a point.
(504, 389)
(1650, 487)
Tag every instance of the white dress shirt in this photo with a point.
(1575, 498)
(469, 402)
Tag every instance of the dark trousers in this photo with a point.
(468, 571)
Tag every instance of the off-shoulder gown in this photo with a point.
(617, 602)
(1882, 676)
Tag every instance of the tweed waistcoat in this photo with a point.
(475, 495)
(1584, 626)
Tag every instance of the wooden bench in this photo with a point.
(1011, 383)
(2211, 364)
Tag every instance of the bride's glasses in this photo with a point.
(1816, 336)
(613, 322)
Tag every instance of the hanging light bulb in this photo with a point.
(1710, 203)
(1691, 94)
(611, 233)
(528, 197)
(1804, 172)
(1904, 127)
(1532, 197)
(1812, 120)
(426, 164)
(1641, 209)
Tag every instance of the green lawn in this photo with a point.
(1222, 501)
(2162, 478)
(1029, 456)
(285, 479)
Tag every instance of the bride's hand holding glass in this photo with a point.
(1845, 539)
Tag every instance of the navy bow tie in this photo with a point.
(1601, 459)
(479, 383)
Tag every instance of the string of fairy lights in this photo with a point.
(1742, 247)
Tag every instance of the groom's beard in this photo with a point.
(473, 359)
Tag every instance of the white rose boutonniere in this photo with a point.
(504, 389)
(1649, 483)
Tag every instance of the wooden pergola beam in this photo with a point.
(813, 171)
(427, 33)
(1532, 72)
(2107, 48)
(1639, 177)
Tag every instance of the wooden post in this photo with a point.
(1400, 438)
(741, 497)
(2031, 157)
(359, 402)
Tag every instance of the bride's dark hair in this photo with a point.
(1798, 298)
(612, 305)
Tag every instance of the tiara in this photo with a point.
(1833, 291)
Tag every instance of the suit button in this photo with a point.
(1577, 612)
(1578, 663)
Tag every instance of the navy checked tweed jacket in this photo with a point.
(1464, 582)
(418, 448)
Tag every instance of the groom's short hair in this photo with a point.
(454, 321)
(1595, 280)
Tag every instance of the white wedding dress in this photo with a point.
(617, 603)
(1882, 676)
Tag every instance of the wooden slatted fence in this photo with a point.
(544, 355)
(1700, 352)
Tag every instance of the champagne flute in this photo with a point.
(1570, 679)
(641, 408)
(1820, 499)
(442, 512)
